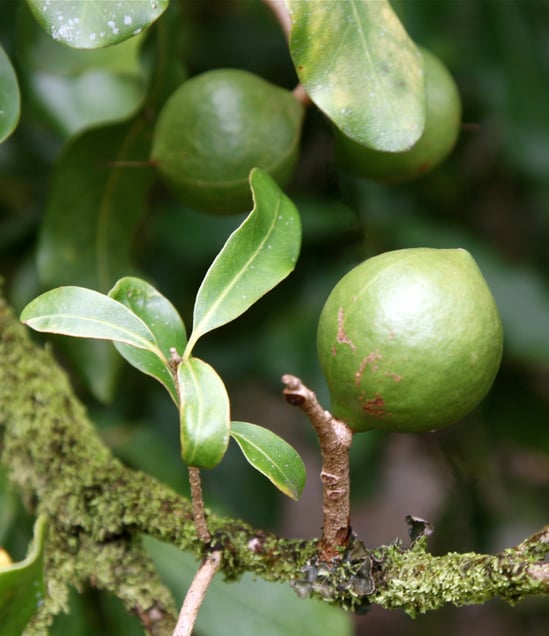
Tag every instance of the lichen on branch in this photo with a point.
(96, 513)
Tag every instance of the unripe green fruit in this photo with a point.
(215, 128)
(410, 340)
(442, 122)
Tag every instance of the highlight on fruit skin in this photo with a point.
(215, 128)
(409, 340)
(442, 124)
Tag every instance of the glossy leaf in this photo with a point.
(359, 66)
(22, 587)
(84, 313)
(10, 101)
(76, 88)
(97, 363)
(39, 52)
(204, 414)
(94, 207)
(256, 257)
(95, 23)
(162, 319)
(271, 456)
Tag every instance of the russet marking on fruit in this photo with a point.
(342, 337)
(375, 406)
(370, 360)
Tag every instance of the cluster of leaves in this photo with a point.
(150, 334)
(146, 328)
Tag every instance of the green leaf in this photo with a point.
(39, 52)
(250, 605)
(84, 313)
(22, 587)
(10, 101)
(76, 89)
(271, 456)
(94, 207)
(93, 98)
(204, 414)
(256, 257)
(91, 24)
(97, 362)
(359, 66)
(165, 324)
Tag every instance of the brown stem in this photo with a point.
(198, 505)
(302, 96)
(196, 594)
(281, 13)
(335, 439)
(57, 462)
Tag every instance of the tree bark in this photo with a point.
(96, 513)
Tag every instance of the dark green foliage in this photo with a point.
(484, 484)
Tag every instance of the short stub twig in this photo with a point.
(335, 439)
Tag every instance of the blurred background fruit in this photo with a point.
(215, 128)
(442, 125)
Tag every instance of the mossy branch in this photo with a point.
(97, 509)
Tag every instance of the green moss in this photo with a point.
(97, 509)
(418, 582)
(95, 506)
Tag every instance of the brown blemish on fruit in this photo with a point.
(341, 336)
(375, 406)
(370, 359)
(393, 376)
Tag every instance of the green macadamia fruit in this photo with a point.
(409, 340)
(215, 128)
(442, 123)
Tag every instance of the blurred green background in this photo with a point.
(484, 482)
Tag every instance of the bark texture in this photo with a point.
(97, 510)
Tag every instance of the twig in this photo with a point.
(198, 505)
(302, 96)
(58, 462)
(196, 594)
(335, 439)
(280, 11)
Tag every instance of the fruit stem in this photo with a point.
(335, 439)
(302, 96)
(281, 13)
